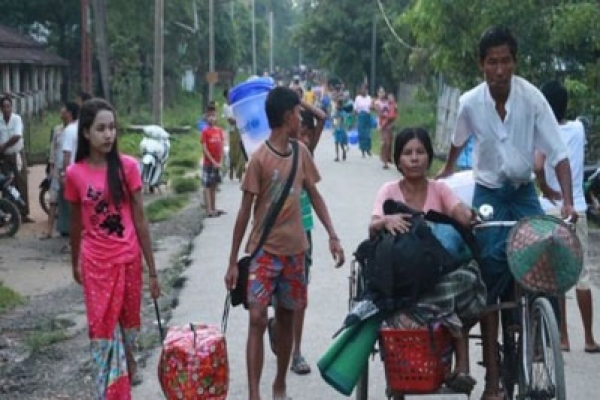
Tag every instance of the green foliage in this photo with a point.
(184, 162)
(161, 209)
(559, 43)
(329, 34)
(185, 185)
(129, 143)
(9, 298)
(417, 113)
(41, 339)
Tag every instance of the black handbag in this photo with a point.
(239, 295)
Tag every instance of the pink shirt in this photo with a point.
(440, 197)
(108, 231)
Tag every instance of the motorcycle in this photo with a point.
(154, 147)
(10, 204)
(591, 187)
(44, 196)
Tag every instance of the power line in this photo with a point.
(393, 31)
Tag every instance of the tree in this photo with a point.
(559, 42)
(337, 35)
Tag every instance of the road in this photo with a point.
(349, 189)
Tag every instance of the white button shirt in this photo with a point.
(10, 129)
(504, 150)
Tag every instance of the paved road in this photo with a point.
(349, 189)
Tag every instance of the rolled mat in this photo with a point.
(344, 361)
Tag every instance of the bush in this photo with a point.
(185, 185)
(9, 298)
(184, 162)
(163, 208)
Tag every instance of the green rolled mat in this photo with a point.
(344, 361)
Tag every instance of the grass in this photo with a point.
(186, 111)
(417, 113)
(41, 339)
(185, 185)
(163, 208)
(9, 298)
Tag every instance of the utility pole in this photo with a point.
(100, 19)
(211, 48)
(86, 48)
(271, 41)
(157, 95)
(253, 39)
(373, 54)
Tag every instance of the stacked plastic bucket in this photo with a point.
(248, 105)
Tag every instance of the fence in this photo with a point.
(447, 108)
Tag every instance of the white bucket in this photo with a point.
(251, 120)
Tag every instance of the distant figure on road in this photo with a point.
(69, 149)
(213, 143)
(237, 161)
(277, 271)
(363, 104)
(55, 166)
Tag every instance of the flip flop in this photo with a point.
(271, 333)
(460, 382)
(299, 365)
(593, 350)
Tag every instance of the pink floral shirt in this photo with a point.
(108, 231)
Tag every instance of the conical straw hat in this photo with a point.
(544, 254)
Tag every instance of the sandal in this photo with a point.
(499, 395)
(271, 333)
(299, 365)
(460, 382)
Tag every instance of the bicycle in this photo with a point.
(530, 354)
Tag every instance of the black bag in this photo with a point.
(239, 295)
(398, 269)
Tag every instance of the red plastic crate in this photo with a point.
(415, 360)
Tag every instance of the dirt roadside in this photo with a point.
(44, 348)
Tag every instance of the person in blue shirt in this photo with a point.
(465, 159)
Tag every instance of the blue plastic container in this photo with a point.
(251, 87)
(248, 105)
(353, 137)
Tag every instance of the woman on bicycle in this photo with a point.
(461, 292)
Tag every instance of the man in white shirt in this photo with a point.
(573, 134)
(510, 119)
(363, 105)
(69, 151)
(11, 151)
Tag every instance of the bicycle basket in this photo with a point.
(544, 254)
(414, 360)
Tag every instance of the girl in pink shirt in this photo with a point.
(108, 235)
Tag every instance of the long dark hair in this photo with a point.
(117, 185)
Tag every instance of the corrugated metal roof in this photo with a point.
(19, 49)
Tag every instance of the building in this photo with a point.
(31, 75)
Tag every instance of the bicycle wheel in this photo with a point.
(546, 366)
(362, 386)
(44, 199)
